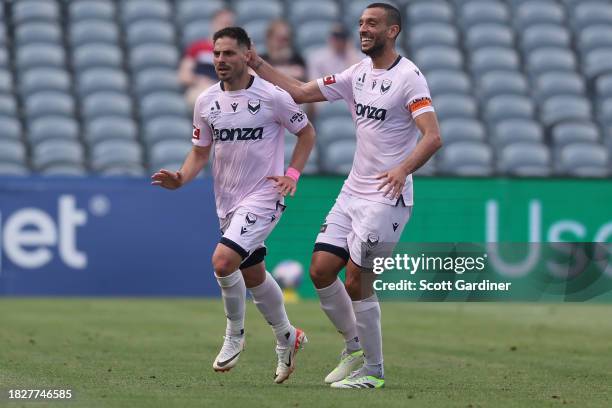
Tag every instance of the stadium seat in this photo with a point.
(38, 33)
(192, 10)
(525, 160)
(149, 56)
(51, 128)
(12, 151)
(13, 170)
(8, 106)
(137, 10)
(438, 57)
(91, 9)
(505, 107)
(39, 55)
(455, 106)
(94, 32)
(156, 80)
(150, 32)
(550, 59)
(251, 10)
(461, 130)
(335, 128)
(163, 103)
(598, 62)
(595, 37)
(166, 151)
(132, 170)
(11, 127)
(6, 81)
(302, 11)
(488, 35)
(591, 13)
(3, 36)
(448, 82)
(428, 169)
(584, 160)
(55, 152)
(493, 59)
(44, 79)
(605, 112)
(559, 83)
(101, 79)
(97, 55)
(47, 103)
(466, 159)
(483, 11)
(110, 153)
(108, 128)
(543, 36)
(313, 33)
(432, 34)
(200, 29)
(429, 12)
(603, 86)
(507, 132)
(64, 170)
(326, 110)
(565, 134)
(495, 83)
(338, 158)
(4, 58)
(530, 13)
(257, 31)
(563, 108)
(35, 10)
(167, 128)
(107, 103)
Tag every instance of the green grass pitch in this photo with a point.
(158, 353)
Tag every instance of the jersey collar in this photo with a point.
(249, 84)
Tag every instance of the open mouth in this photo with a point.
(366, 41)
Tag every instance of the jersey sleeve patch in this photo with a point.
(419, 104)
(329, 80)
(196, 133)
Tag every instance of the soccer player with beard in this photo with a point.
(242, 118)
(390, 104)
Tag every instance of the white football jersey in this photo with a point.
(384, 103)
(246, 128)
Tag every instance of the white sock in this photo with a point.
(233, 291)
(268, 297)
(336, 304)
(367, 314)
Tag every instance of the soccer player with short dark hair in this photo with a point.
(242, 119)
(390, 103)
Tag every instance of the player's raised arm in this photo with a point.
(301, 92)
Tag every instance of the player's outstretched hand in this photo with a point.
(252, 57)
(284, 184)
(394, 180)
(167, 179)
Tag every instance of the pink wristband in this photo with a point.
(293, 174)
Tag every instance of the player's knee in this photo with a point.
(320, 276)
(222, 265)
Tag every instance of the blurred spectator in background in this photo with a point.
(196, 70)
(339, 54)
(280, 53)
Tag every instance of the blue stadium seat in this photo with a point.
(4, 58)
(6, 81)
(312, 33)
(192, 10)
(8, 106)
(550, 59)
(97, 55)
(109, 128)
(136, 10)
(538, 12)
(461, 130)
(11, 127)
(167, 128)
(91, 9)
(3, 36)
(559, 83)
(132, 170)
(161, 104)
(335, 128)
(107, 103)
(505, 107)
(64, 170)
(38, 32)
(57, 152)
(110, 153)
(584, 160)
(44, 79)
(302, 11)
(605, 112)
(94, 31)
(13, 170)
(39, 55)
(49, 103)
(545, 35)
(603, 86)
(101, 79)
(565, 108)
(149, 56)
(455, 106)
(565, 134)
(595, 37)
(35, 10)
(332, 110)
(52, 128)
(507, 132)
(168, 151)
(432, 34)
(591, 13)
(494, 83)
(252, 10)
(597, 62)
(200, 30)
(438, 57)
(448, 82)
(156, 80)
(429, 12)
(338, 157)
(12, 151)
(150, 31)
(489, 35)
(525, 160)
(257, 32)
(466, 159)
(483, 11)
(488, 59)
